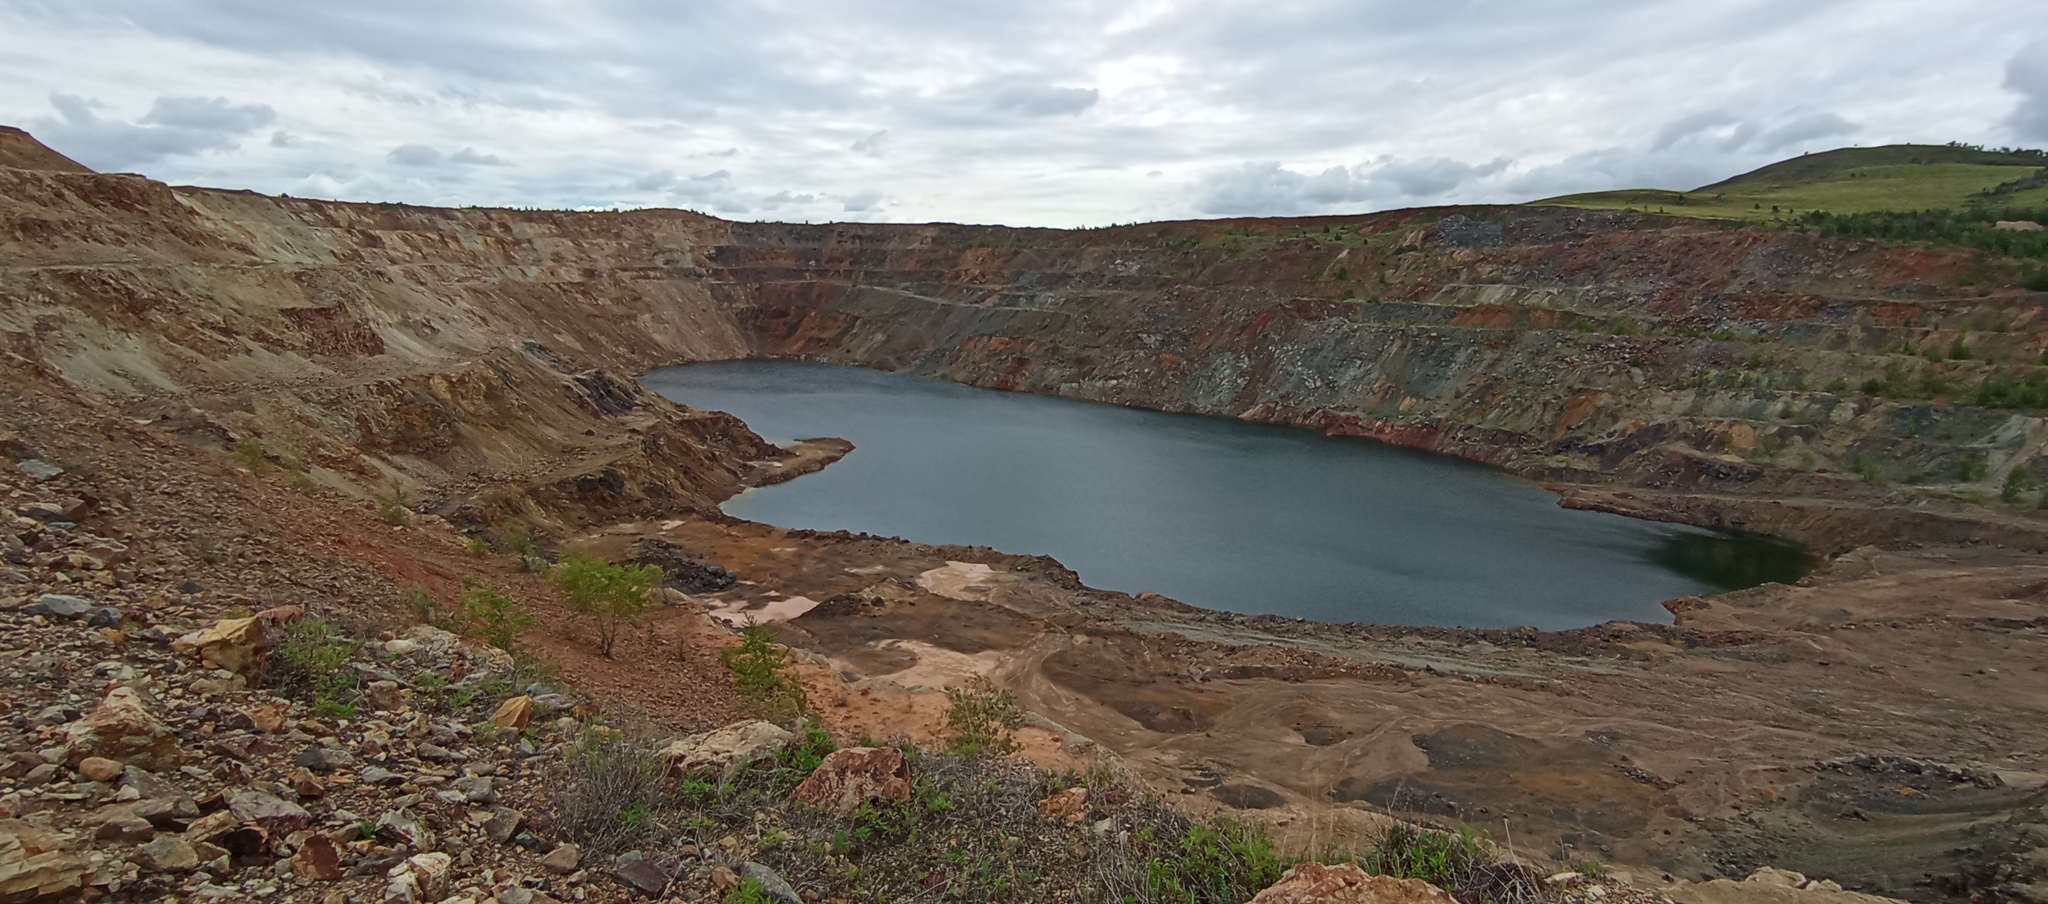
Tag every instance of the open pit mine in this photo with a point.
(217, 393)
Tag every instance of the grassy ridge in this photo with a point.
(1849, 181)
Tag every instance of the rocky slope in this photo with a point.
(476, 363)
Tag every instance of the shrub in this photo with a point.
(493, 616)
(1461, 863)
(479, 547)
(1869, 469)
(769, 685)
(391, 506)
(424, 609)
(613, 595)
(518, 541)
(248, 453)
(1227, 861)
(1972, 468)
(312, 656)
(610, 791)
(981, 719)
(2017, 485)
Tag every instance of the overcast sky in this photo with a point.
(1054, 112)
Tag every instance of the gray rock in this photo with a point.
(772, 885)
(378, 775)
(323, 759)
(275, 814)
(475, 789)
(563, 860)
(126, 829)
(406, 828)
(434, 753)
(640, 874)
(38, 468)
(58, 605)
(167, 855)
(107, 617)
(547, 705)
(503, 824)
(170, 814)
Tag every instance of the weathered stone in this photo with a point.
(503, 823)
(323, 759)
(1069, 806)
(318, 858)
(269, 718)
(34, 864)
(726, 749)
(168, 854)
(239, 644)
(435, 753)
(38, 469)
(121, 728)
(406, 829)
(563, 860)
(275, 814)
(772, 884)
(100, 769)
(378, 775)
(1314, 883)
(853, 776)
(125, 828)
(388, 696)
(515, 712)
(640, 874)
(59, 605)
(723, 879)
(167, 813)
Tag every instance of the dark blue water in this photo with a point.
(1211, 511)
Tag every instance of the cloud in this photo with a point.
(414, 155)
(1049, 113)
(862, 202)
(2027, 74)
(1269, 189)
(470, 157)
(1802, 129)
(870, 146)
(174, 126)
(654, 181)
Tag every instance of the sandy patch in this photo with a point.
(736, 612)
(966, 581)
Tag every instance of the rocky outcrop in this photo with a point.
(1316, 883)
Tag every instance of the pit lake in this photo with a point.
(1211, 511)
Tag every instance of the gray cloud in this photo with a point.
(414, 155)
(1048, 113)
(2027, 74)
(174, 126)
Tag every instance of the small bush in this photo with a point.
(2017, 485)
(1869, 469)
(981, 719)
(392, 507)
(610, 791)
(248, 453)
(810, 748)
(747, 892)
(769, 685)
(1972, 468)
(1227, 861)
(1460, 862)
(424, 609)
(312, 656)
(493, 616)
(518, 541)
(612, 595)
(479, 547)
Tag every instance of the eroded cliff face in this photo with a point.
(1710, 375)
(480, 360)
(1655, 366)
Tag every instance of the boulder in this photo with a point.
(318, 858)
(853, 776)
(1315, 883)
(269, 718)
(122, 729)
(100, 769)
(58, 605)
(772, 884)
(273, 814)
(515, 712)
(388, 696)
(34, 864)
(641, 875)
(323, 759)
(563, 860)
(727, 749)
(421, 879)
(168, 854)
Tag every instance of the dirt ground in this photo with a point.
(1860, 725)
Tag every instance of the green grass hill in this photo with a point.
(1900, 177)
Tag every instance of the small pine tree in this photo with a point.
(770, 685)
(493, 616)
